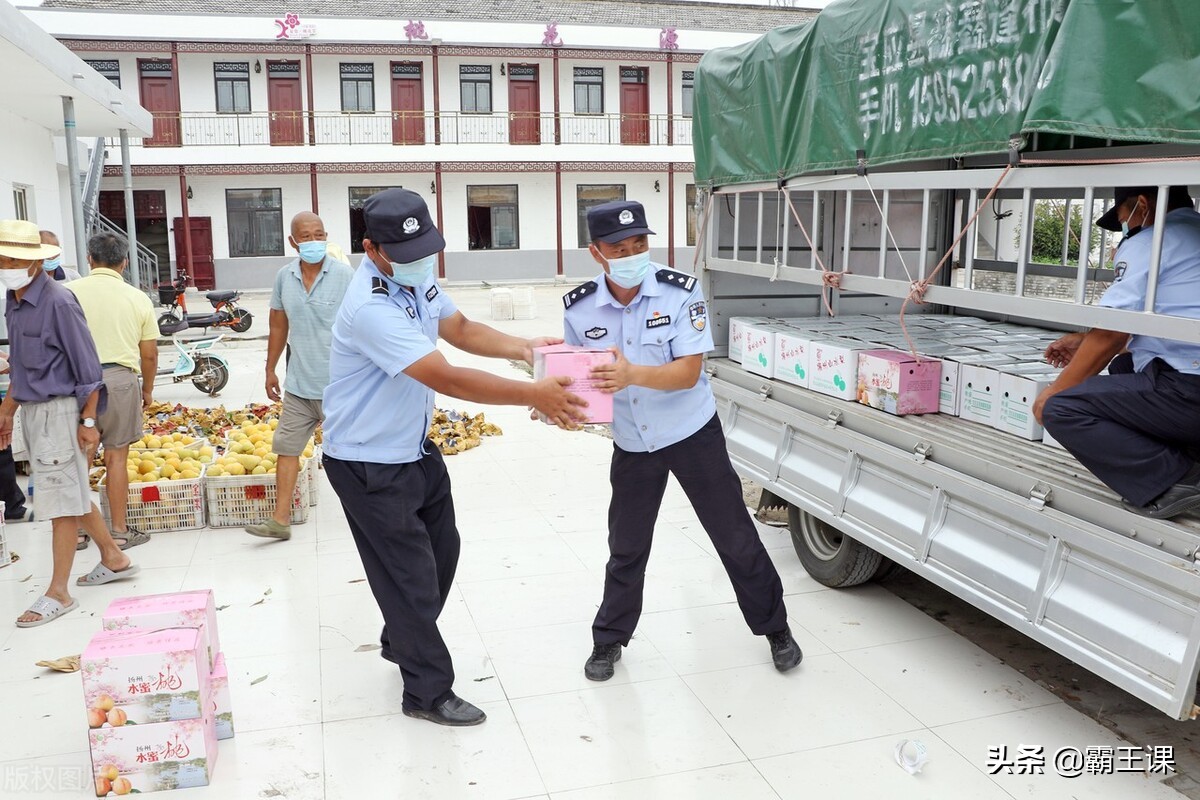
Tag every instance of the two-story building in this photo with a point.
(511, 119)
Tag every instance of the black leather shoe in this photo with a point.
(784, 651)
(451, 711)
(1179, 499)
(602, 664)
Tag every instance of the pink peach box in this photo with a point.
(196, 609)
(140, 676)
(898, 383)
(152, 758)
(576, 363)
(222, 706)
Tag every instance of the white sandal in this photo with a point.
(50, 610)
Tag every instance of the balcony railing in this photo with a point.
(301, 128)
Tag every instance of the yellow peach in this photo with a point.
(105, 702)
(109, 771)
(122, 786)
(117, 717)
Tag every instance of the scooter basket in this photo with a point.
(166, 294)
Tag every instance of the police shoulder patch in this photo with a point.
(432, 293)
(578, 293)
(378, 286)
(673, 278)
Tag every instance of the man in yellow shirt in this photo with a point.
(121, 319)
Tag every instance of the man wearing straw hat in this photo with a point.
(57, 380)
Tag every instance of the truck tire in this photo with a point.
(829, 556)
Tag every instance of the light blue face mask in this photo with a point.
(312, 252)
(51, 264)
(414, 273)
(630, 271)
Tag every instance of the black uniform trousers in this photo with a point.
(1136, 431)
(402, 519)
(701, 465)
(10, 490)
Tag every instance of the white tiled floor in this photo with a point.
(695, 711)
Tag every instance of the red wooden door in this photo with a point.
(635, 106)
(408, 104)
(200, 268)
(524, 109)
(285, 102)
(159, 96)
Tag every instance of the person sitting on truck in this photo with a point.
(1137, 427)
(655, 321)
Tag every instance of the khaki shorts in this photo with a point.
(121, 423)
(297, 421)
(60, 469)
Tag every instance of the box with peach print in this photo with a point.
(576, 363)
(898, 383)
(151, 758)
(222, 706)
(197, 609)
(138, 677)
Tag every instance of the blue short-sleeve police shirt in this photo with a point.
(668, 319)
(373, 411)
(1178, 292)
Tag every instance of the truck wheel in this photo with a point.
(829, 556)
(887, 568)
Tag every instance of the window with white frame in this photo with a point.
(255, 222)
(593, 194)
(21, 195)
(589, 90)
(233, 86)
(476, 85)
(492, 218)
(685, 95)
(358, 87)
(110, 68)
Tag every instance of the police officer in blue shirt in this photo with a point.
(384, 369)
(664, 423)
(1137, 428)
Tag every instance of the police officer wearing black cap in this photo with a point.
(1137, 428)
(384, 369)
(665, 423)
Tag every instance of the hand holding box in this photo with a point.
(576, 363)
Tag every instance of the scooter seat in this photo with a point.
(221, 297)
(204, 320)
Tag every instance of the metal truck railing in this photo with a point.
(892, 229)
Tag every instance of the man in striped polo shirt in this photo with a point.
(304, 303)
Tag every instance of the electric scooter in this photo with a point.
(226, 312)
(208, 370)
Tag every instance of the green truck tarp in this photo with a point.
(904, 80)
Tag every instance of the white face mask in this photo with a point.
(14, 279)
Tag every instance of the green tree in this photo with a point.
(1049, 222)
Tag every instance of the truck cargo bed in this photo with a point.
(1015, 527)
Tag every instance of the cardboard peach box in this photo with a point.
(152, 758)
(142, 676)
(576, 363)
(898, 383)
(197, 609)
(833, 367)
(222, 705)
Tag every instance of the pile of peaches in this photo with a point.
(109, 780)
(104, 712)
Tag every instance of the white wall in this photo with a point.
(28, 158)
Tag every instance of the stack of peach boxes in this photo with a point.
(157, 693)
